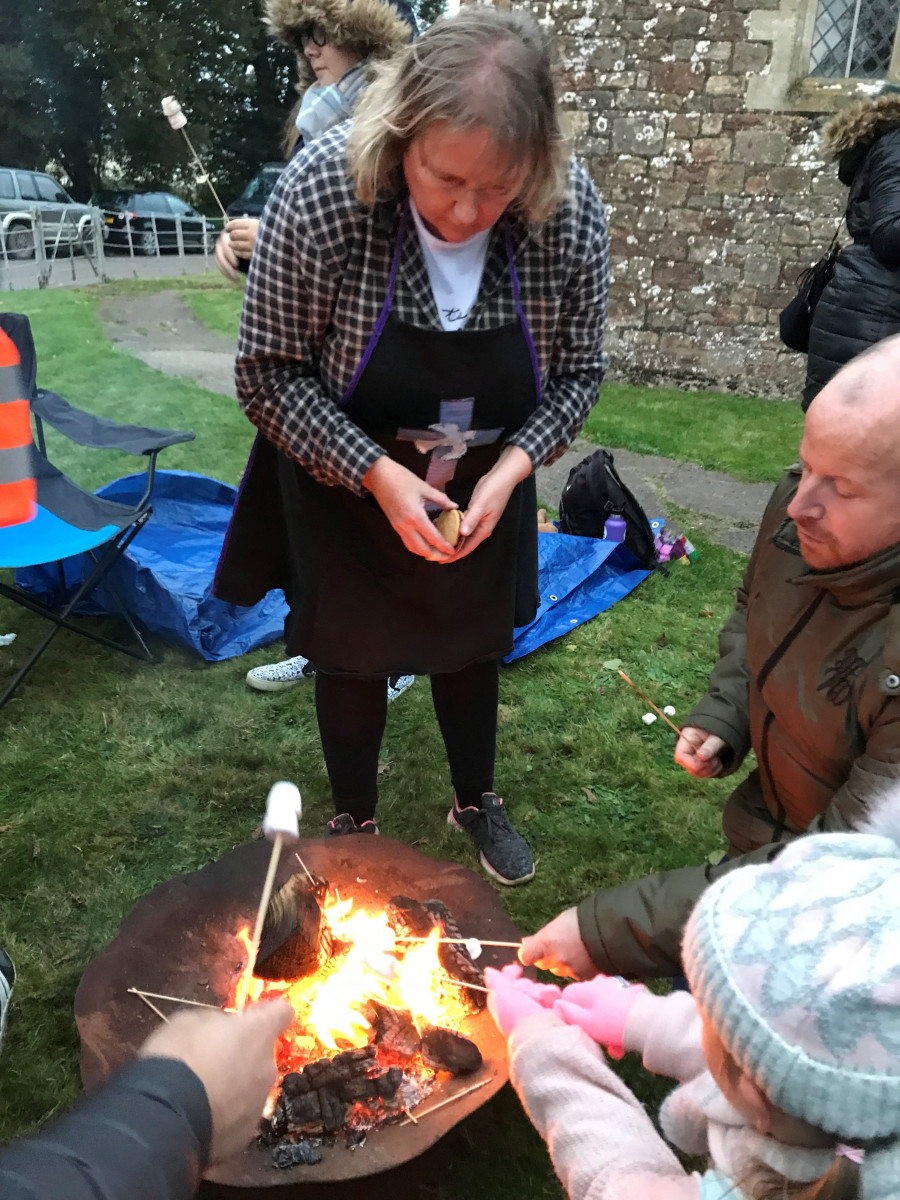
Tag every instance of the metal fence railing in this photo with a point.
(36, 252)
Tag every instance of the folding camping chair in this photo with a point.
(69, 520)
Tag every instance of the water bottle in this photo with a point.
(614, 529)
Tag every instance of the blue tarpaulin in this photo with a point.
(578, 577)
(165, 576)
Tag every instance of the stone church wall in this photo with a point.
(714, 206)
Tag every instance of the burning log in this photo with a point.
(409, 918)
(316, 1101)
(394, 1030)
(456, 959)
(445, 1050)
(296, 940)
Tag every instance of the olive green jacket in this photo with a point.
(809, 678)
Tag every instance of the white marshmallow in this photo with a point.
(172, 110)
(283, 809)
(669, 710)
(648, 718)
(474, 947)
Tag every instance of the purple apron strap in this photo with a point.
(382, 316)
(389, 300)
(526, 332)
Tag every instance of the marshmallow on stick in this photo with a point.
(281, 823)
(174, 115)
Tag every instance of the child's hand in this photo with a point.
(601, 1008)
(511, 998)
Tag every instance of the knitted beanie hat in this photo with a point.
(796, 964)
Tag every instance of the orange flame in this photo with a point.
(368, 965)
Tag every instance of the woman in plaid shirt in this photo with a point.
(422, 328)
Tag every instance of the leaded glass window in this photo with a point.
(854, 38)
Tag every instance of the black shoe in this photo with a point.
(504, 853)
(343, 824)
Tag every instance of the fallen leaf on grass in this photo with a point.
(707, 612)
(611, 664)
(384, 765)
(591, 796)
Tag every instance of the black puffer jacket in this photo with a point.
(861, 304)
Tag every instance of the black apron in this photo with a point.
(361, 603)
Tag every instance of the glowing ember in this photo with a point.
(368, 965)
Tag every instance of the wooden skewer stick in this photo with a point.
(647, 700)
(476, 987)
(150, 1004)
(305, 868)
(443, 1103)
(263, 905)
(177, 1000)
(460, 941)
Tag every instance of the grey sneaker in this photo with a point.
(275, 677)
(343, 824)
(7, 979)
(504, 853)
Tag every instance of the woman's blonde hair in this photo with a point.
(480, 68)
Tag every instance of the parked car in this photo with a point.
(30, 200)
(252, 199)
(151, 222)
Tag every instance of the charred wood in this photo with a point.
(296, 939)
(456, 959)
(394, 1030)
(445, 1050)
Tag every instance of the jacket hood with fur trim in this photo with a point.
(859, 125)
(374, 28)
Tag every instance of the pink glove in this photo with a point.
(601, 1008)
(511, 998)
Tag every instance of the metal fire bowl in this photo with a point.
(180, 940)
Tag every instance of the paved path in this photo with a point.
(161, 330)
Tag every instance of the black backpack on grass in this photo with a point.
(593, 493)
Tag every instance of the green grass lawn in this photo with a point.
(115, 775)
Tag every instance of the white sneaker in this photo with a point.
(275, 677)
(7, 979)
(398, 684)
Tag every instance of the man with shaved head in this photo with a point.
(808, 676)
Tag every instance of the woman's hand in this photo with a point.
(226, 259)
(242, 233)
(490, 498)
(402, 497)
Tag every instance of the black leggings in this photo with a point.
(351, 715)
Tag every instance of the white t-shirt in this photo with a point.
(454, 271)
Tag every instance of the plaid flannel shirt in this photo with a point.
(318, 278)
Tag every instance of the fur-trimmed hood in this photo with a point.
(374, 28)
(859, 124)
